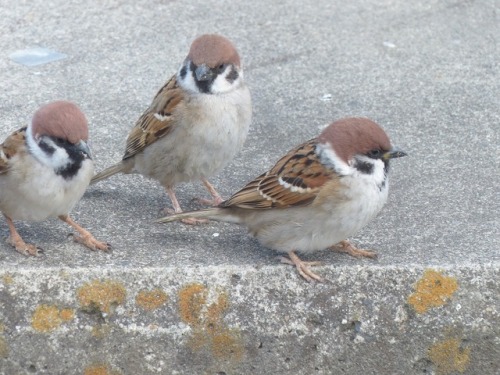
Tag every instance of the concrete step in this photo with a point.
(242, 320)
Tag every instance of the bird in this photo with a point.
(45, 168)
(195, 125)
(316, 196)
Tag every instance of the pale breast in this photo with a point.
(32, 191)
(320, 225)
(211, 130)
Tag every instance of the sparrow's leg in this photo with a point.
(216, 198)
(302, 267)
(85, 237)
(178, 209)
(16, 241)
(346, 247)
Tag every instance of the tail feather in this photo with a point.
(108, 172)
(209, 213)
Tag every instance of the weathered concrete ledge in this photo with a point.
(243, 320)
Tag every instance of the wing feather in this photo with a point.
(157, 121)
(295, 180)
(11, 146)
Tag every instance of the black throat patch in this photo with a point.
(203, 86)
(76, 157)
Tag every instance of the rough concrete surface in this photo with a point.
(172, 299)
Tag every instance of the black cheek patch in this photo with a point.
(48, 149)
(232, 76)
(363, 167)
(183, 72)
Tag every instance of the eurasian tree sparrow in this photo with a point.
(317, 195)
(44, 171)
(196, 123)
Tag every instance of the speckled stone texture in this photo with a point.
(173, 299)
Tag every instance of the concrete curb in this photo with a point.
(243, 320)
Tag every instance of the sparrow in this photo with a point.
(195, 125)
(44, 171)
(317, 195)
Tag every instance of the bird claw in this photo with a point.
(24, 248)
(303, 267)
(91, 243)
(346, 247)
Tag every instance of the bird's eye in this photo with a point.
(375, 154)
(221, 68)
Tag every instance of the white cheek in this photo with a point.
(221, 85)
(58, 159)
(378, 175)
(187, 83)
(329, 157)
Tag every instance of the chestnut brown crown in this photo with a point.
(60, 119)
(213, 50)
(352, 136)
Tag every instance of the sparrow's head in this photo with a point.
(58, 134)
(212, 66)
(361, 145)
(60, 119)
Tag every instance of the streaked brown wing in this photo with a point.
(11, 146)
(157, 121)
(294, 181)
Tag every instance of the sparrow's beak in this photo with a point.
(204, 73)
(394, 153)
(83, 147)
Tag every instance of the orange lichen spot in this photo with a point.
(103, 296)
(4, 348)
(216, 310)
(151, 300)
(448, 357)
(7, 279)
(210, 332)
(432, 290)
(192, 299)
(100, 369)
(67, 314)
(227, 344)
(47, 318)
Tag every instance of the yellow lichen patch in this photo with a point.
(432, 290)
(215, 310)
(151, 300)
(192, 299)
(209, 329)
(67, 314)
(448, 357)
(4, 348)
(7, 279)
(47, 318)
(101, 295)
(100, 369)
(227, 344)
